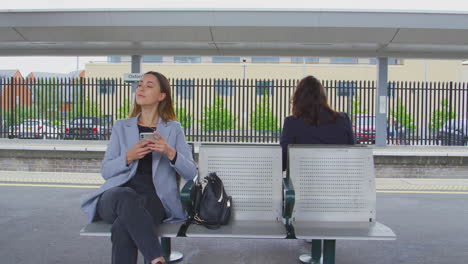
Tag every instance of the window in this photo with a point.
(265, 59)
(219, 59)
(339, 60)
(106, 86)
(178, 59)
(307, 60)
(184, 88)
(224, 87)
(264, 87)
(114, 59)
(158, 59)
(346, 88)
(391, 61)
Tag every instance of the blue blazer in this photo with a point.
(115, 171)
(296, 131)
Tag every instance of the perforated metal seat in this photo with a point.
(335, 194)
(252, 176)
(101, 228)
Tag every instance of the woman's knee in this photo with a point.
(127, 197)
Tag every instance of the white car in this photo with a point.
(36, 128)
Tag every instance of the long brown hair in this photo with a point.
(309, 103)
(165, 107)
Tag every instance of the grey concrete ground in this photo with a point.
(40, 222)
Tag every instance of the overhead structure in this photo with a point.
(230, 32)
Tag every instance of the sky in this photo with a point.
(68, 64)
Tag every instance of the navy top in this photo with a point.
(296, 131)
(142, 182)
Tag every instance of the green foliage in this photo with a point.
(85, 107)
(402, 116)
(356, 106)
(124, 110)
(217, 117)
(263, 118)
(183, 117)
(18, 115)
(441, 115)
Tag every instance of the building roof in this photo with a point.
(73, 74)
(7, 73)
(235, 32)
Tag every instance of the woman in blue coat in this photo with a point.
(140, 189)
(313, 121)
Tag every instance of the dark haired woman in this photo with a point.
(313, 121)
(140, 188)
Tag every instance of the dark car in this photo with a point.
(86, 127)
(454, 133)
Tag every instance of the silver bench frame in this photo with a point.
(335, 197)
(251, 174)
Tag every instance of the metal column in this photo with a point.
(136, 68)
(381, 102)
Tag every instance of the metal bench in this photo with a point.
(335, 198)
(252, 176)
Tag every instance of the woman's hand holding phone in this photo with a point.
(158, 143)
(138, 151)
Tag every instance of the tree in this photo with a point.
(402, 116)
(85, 107)
(183, 117)
(124, 110)
(263, 118)
(18, 114)
(217, 117)
(356, 106)
(441, 115)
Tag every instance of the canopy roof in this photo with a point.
(223, 32)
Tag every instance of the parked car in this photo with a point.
(454, 133)
(13, 131)
(87, 127)
(36, 128)
(61, 130)
(364, 130)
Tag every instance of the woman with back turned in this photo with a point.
(313, 121)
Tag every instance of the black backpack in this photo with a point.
(211, 205)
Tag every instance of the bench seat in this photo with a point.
(241, 229)
(343, 231)
(101, 228)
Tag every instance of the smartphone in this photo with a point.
(146, 135)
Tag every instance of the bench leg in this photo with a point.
(170, 256)
(316, 253)
(329, 251)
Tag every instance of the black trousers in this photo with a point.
(135, 218)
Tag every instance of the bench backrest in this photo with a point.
(251, 175)
(332, 183)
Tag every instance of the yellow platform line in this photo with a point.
(429, 192)
(97, 186)
(50, 185)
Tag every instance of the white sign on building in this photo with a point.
(132, 77)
